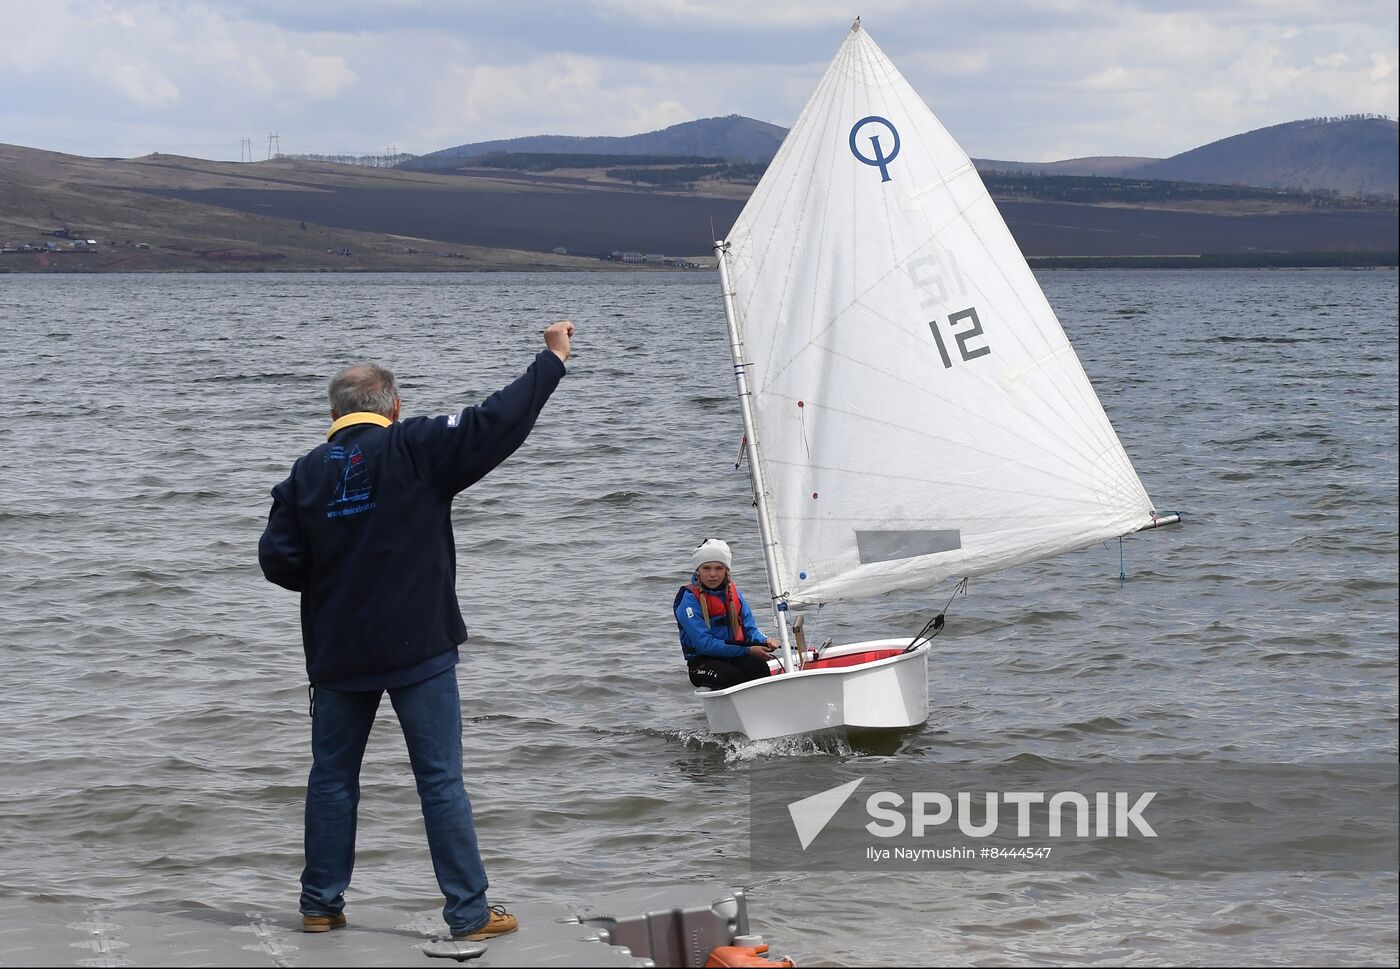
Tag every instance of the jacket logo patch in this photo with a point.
(453, 420)
(353, 492)
(689, 612)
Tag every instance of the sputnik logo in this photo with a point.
(811, 814)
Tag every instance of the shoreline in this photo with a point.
(80, 263)
(1263, 260)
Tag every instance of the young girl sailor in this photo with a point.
(719, 638)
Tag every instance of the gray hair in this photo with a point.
(364, 387)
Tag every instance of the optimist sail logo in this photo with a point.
(877, 156)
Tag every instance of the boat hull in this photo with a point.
(889, 693)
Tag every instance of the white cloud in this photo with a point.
(1382, 69)
(738, 14)
(1115, 78)
(563, 94)
(1031, 80)
(325, 76)
(145, 87)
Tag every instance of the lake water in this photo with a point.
(154, 740)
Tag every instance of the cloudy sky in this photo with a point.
(1036, 80)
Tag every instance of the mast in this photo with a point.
(760, 493)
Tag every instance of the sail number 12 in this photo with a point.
(962, 336)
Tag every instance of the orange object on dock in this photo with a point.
(724, 956)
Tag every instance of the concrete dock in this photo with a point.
(665, 927)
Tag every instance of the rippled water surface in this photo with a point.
(154, 740)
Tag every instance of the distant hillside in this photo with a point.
(65, 213)
(1104, 166)
(1354, 156)
(733, 138)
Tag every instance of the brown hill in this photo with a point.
(130, 207)
(733, 137)
(179, 213)
(1352, 156)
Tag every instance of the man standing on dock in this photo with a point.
(362, 529)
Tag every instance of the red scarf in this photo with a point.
(722, 602)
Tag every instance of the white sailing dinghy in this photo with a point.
(912, 409)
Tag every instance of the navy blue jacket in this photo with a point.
(362, 529)
(699, 640)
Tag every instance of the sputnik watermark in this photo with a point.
(1115, 814)
(811, 814)
(1094, 816)
(959, 853)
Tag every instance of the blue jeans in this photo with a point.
(430, 714)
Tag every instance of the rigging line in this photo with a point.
(937, 622)
(1075, 406)
(1090, 501)
(1080, 403)
(1072, 397)
(960, 217)
(963, 206)
(1088, 448)
(1075, 479)
(1077, 444)
(1088, 445)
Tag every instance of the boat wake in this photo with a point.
(737, 749)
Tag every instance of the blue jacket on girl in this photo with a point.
(699, 638)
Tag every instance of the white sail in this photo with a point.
(919, 411)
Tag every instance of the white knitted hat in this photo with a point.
(711, 550)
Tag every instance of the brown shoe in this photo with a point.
(500, 922)
(322, 923)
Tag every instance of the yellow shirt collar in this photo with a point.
(359, 417)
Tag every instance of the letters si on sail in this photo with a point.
(919, 411)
